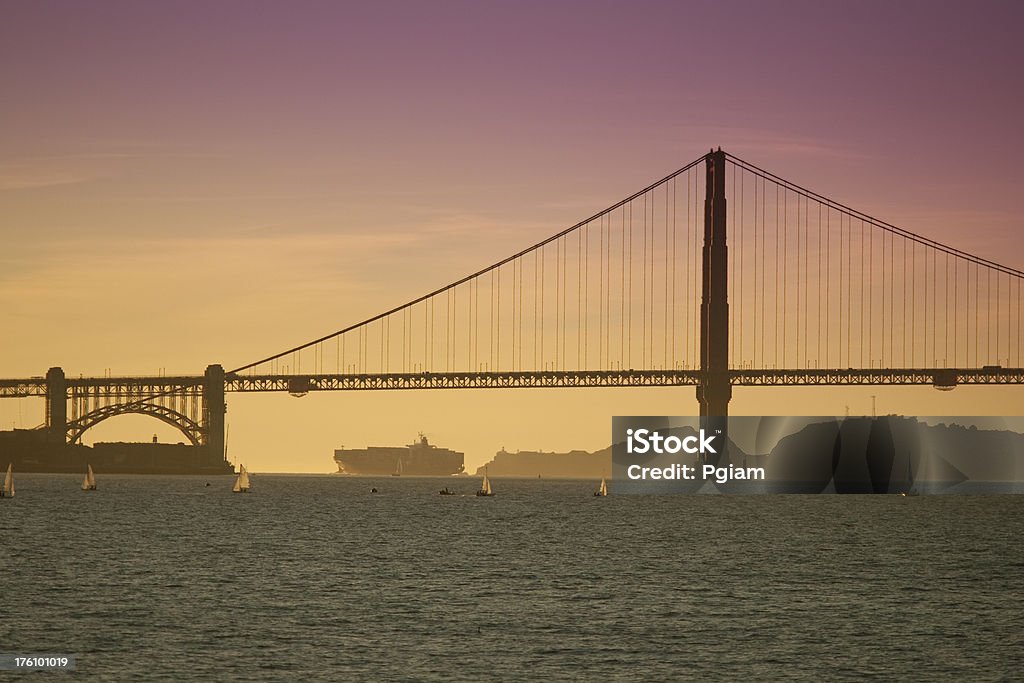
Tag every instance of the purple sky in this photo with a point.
(376, 93)
(315, 162)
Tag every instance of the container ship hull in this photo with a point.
(418, 459)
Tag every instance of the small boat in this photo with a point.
(602, 490)
(446, 492)
(8, 490)
(911, 489)
(398, 469)
(242, 482)
(485, 487)
(89, 483)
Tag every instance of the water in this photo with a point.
(307, 577)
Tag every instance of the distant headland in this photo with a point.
(550, 465)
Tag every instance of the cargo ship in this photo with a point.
(417, 459)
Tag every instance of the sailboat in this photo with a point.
(8, 489)
(602, 491)
(911, 491)
(485, 487)
(242, 482)
(398, 469)
(89, 483)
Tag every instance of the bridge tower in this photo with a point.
(214, 408)
(56, 405)
(714, 389)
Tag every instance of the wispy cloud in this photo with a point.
(76, 165)
(748, 141)
(12, 179)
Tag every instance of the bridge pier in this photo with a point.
(56, 406)
(214, 408)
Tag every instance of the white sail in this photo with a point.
(604, 488)
(89, 483)
(487, 485)
(242, 482)
(9, 482)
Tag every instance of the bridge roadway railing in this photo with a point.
(942, 378)
(300, 384)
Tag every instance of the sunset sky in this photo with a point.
(186, 183)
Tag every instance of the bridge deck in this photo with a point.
(139, 387)
(619, 378)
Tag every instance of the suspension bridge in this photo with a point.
(720, 274)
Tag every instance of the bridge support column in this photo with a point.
(214, 408)
(56, 406)
(714, 389)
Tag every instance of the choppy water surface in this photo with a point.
(153, 578)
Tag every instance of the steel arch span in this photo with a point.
(192, 430)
